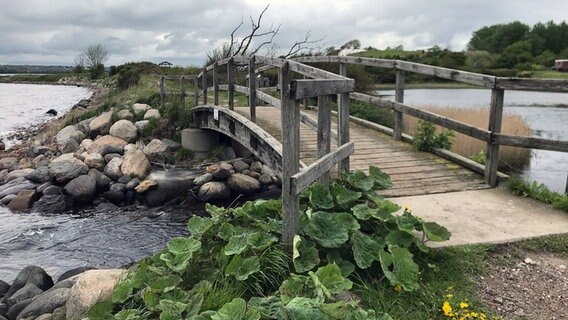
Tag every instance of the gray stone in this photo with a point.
(130, 147)
(242, 184)
(152, 114)
(84, 126)
(123, 179)
(102, 181)
(106, 207)
(4, 287)
(68, 139)
(254, 174)
(40, 161)
(18, 174)
(132, 184)
(240, 165)
(46, 316)
(46, 302)
(52, 190)
(24, 200)
(111, 156)
(265, 179)
(59, 314)
(140, 108)
(101, 124)
(30, 275)
(107, 144)
(140, 125)
(40, 175)
(112, 169)
(65, 157)
(16, 309)
(82, 189)
(130, 196)
(155, 150)
(125, 115)
(73, 272)
(135, 164)
(7, 199)
(169, 185)
(267, 170)
(53, 204)
(172, 145)
(256, 166)
(221, 174)
(15, 186)
(67, 170)
(28, 291)
(124, 130)
(229, 154)
(214, 190)
(86, 144)
(114, 197)
(118, 187)
(203, 179)
(8, 163)
(95, 161)
(41, 188)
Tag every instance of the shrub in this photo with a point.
(97, 72)
(426, 138)
(127, 78)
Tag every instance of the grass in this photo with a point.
(510, 158)
(549, 74)
(388, 54)
(49, 78)
(539, 192)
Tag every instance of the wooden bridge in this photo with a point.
(296, 139)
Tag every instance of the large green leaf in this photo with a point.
(194, 305)
(346, 266)
(305, 255)
(241, 268)
(399, 267)
(101, 310)
(436, 232)
(151, 300)
(178, 262)
(165, 283)
(327, 229)
(197, 225)
(301, 308)
(296, 286)
(330, 276)
(320, 198)
(217, 213)
(226, 231)
(122, 292)
(385, 209)
(236, 310)
(359, 180)
(382, 180)
(408, 223)
(127, 314)
(180, 245)
(261, 240)
(365, 249)
(346, 310)
(344, 197)
(237, 244)
(397, 238)
(269, 307)
(171, 310)
(362, 211)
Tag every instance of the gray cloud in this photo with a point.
(182, 31)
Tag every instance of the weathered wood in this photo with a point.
(495, 120)
(304, 178)
(182, 92)
(195, 91)
(162, 91)
(215, 84)
(546, 85)
(343, 120)
(313, 124)
(324, 132)
(530, 142)
(176, 77)
(445, 73)
(290, 124)
(252, 89)
(300, 89)
(275, 102)
(312, 72)
(231, 82)
(372, 62)
(204, 86)
(399, 97)
(272, 62)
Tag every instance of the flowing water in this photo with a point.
(545, 113)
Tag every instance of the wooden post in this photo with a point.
(324, 132)
(215, 85)
(343, 119)
(566, 188)
(204, 84)
(182, 92)
(231, 82)
(195, 91)
(162, 91)
(252, 89)
(495, 119)
(399, 97)
(290, 159)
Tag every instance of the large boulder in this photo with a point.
(155, 150)
(68, 139)
(169, 185)
(67, 170)
(28, 291)
(101, 180)
(17, 174)
(15, 186)
(85, 126)
(124, 130)
(125, 115)
(203, 179)
(40, 175)
(112, 169)
(91, 286)
(24, 200)
(46, 303)
(214, 190)
(243, 184)
(53, 204)
(140, 108)
(101, 124)
(82, 189)
(152, 114)
(8, 163)
(140, 125)
(135, 164)
(107, 144)
(30, 275)
(4, 287)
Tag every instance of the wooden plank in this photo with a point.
(312, 72)
(448, 187)
(215, 84)
(231, 83)
(531, 142)
(547, 85)
(252, 89)
(304, 178)
(182, 92)
(399, 97)
(204, 86)
(272, 62)
(372, 62)
(310, 88)
(275, 102)
(495, 120)
(445, 73)
(343, 120)
(195, 91)
(324, 132)
(224, 87)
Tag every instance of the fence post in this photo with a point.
(195, 91)
(231, 82)
(290, 117)
(182, 92)
(252, 88)
(162, 91)
(215, 84)
(495, 120)
(204, 84)
(343, 118)
(324, 131)
(399, 97)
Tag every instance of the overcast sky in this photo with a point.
(181, 31)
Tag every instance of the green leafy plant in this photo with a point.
(426, 138)
(537, 191)
(480, 157)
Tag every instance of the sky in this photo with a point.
(53, 32)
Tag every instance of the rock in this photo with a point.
(240, 165)
(203, 179)
(15, 186)
(111, 156)
(46, 302)
(91, 287)
(130, 196)
(7, 199)
(112, 169)
(39, 150)
(4, 287)
(41, 188)
(132, 184)
(67, 170)
(140, 125)
(152, 114)
(85, 126)
(101, 124)
(130, 147)
(228, 154)
(256, 166)
(170, 185)
(254, 174)
(107, 144)
(125, 115)
(101, 180)
(82, 189)
(118, 187)
(24, 163)
(140, 108)
(226, 166)
(46, 316)
(51, 112)
(212, 168)
(40, 161)
(73, 272)
(114, 196)
(95, 161)
(52, 190)
(106, 207)
(221, 174)
(8, 163)
(30, 275)
(18, 174)
(145, 185)
(123, 179)
(2, 145)
(40, 175)
(242, 184)
(211, 191)
(16, 309)
(86, 144)
(125, 130)
(172, 145)
(24, 200)
(68, 139)
(65, 157)
(267, 171)
(53, 204)
(135, 164)
(155, 150)
(28, 291)
(58, 314)
(265, 179)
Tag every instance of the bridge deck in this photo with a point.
(412, 173)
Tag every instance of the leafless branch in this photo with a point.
(301, 45)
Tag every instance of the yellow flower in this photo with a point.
(449, 295)
(447, 308)
(397, 288)
(463, 305)
(407, 208)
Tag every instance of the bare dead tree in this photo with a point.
(93, 55)
(302, 45)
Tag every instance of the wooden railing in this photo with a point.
(182, 80)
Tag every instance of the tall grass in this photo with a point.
(510, 158)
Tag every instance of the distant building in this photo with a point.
(561, 65)
(165, 64)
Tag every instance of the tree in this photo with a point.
(93, 55)
(515, 54)
(353, 44)
(497, 37)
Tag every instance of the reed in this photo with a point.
(511, 159)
